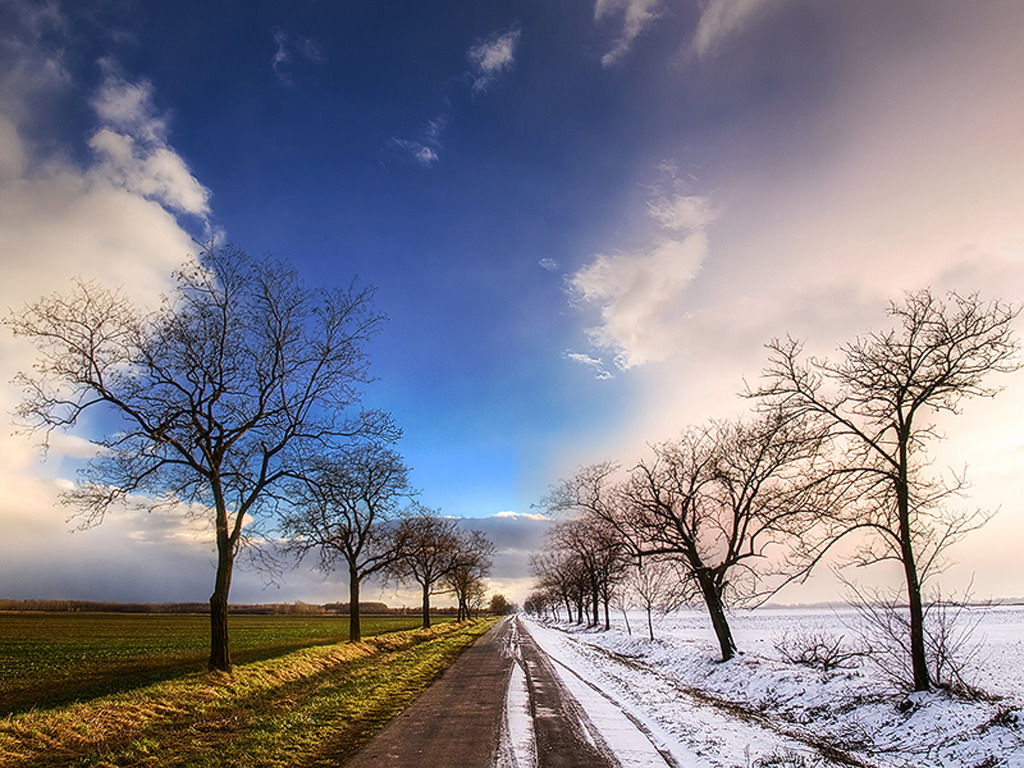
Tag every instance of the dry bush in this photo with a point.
(817, 649)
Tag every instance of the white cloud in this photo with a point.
(637, 16)
(414, 151)
(113, 219)
(641, 295)
(594, 363)
(491, 57)
(524, 516)
(683, 213)
(906, 170)
(724, 19)
(132, 150)
(549, 264)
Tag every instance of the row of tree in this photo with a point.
(239, 398)
(732, 511)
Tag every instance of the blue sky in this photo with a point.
(584, 218)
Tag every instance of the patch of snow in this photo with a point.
(518, 748)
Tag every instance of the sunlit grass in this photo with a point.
(308, 707)
(58, 658)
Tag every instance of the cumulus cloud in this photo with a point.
(640, 295)
(724, 19)
(491, 57)
(114, 219)
(637, 16)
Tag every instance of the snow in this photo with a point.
(759, 710)
(631, 745)
(518, 746)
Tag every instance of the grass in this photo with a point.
(311, 707)
(47, 659)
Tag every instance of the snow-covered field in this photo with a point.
(759, 710)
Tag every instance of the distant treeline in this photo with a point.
(277, 609)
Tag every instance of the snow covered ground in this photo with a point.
(758, 711)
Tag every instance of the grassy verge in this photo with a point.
(310, 707)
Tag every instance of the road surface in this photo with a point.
(506, 704)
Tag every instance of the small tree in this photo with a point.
(218, 397)
(343, 512)
(428, 550)
(879, 401)
(500, 605)
(657, 585)
(472, 565)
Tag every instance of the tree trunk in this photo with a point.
(595, 605)
(355, 630)
(713, 600)
(220, 653)
(607, 618)
(918, 660)
(426, 607)
(650, 624)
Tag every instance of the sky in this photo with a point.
(584, 220)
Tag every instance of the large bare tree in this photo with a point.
(879, 400)
(214, 399)
(718, 500)
(345, 507)
(723, 501)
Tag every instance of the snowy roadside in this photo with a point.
(756, 711)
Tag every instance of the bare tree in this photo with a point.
(595, 548)
(718, 501)
(658, 586)
(429, 548)
(473, 563)
(879, 401)
(219, 396)
(343, 512)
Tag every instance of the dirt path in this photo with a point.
(456, 722)
(462, 720)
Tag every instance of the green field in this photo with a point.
(48, 659)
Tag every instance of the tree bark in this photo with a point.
(220, 654)
(713, 599)
(355, 630)
(650, 624)
(918, 659)
(426, 607)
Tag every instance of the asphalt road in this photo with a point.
(458, 721)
